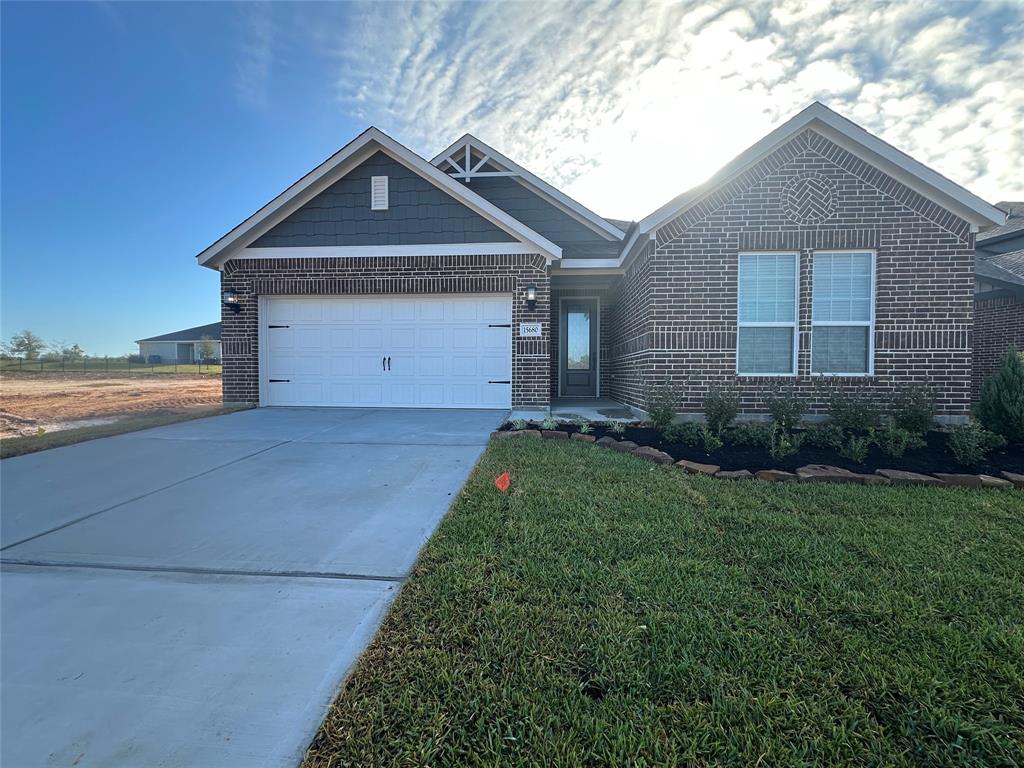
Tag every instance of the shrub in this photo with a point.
(721, 405)
(852, 409)
(549, 423)
(1001, 407)
(971, 442)
(712, 441)
(617, 427)
(583, 427)
(895, 442)
(749, 434)
(785, 406)
(855, 448)
(782, 443)
(683, 433)
(520, 423)
(824, 436)
(914, 409)
(660, 401)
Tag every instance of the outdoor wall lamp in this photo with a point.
(531, 297)
(232, 301)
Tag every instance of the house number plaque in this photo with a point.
(531, 330)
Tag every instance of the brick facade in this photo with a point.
(998, 323)
(676, 311)
(511, 274)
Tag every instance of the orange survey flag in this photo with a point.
(502, 482)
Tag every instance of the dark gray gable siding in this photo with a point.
(577, 241)
(419, 213)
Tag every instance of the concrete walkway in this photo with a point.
(192, 595)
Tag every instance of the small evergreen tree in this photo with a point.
(1001, 407)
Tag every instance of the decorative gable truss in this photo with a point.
(469, 158)
(466, 162)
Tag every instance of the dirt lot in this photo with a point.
(30, 402)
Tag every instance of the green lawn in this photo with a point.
(610, 612)
(18, 446)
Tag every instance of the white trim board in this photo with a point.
(852, 138)
(530, 180)
(335, 167)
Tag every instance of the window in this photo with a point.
(842, 313)
(767, 314)
(378, 193)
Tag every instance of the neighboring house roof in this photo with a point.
(359, 149)
(189, 334)
(1007, 267)
(1014, 223)
(855, 140)
(469, 157)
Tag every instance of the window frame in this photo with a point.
(795, 324)
(869, 323)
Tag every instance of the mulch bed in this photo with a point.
(934, 457)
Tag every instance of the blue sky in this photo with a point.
(134, 134)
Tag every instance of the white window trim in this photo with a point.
(869, 324)
(795, 325)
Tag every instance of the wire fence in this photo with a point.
(101, 365)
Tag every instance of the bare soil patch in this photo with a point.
(30, 402)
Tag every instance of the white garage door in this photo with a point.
(402, 352)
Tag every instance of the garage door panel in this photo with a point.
(464, 366)
(309, 338)
(335, 351)
(430, 365)
(370, 310)
(495, 367)
(402, 339)
(465, 338)
(496, 395)
(341, 338)
(371, 365)
(430, 311)
(340, 311)
(496, 310)
(370, 338)
(431, 338)
(342, 365)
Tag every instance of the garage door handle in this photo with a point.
(389, 362)
(499, 382)
(499, 325)
(275, 381)
(278, 326)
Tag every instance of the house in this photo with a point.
(181, 346)
(998, 292)
(383, 279)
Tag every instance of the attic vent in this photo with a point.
(378, 193)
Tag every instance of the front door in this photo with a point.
(578, 347)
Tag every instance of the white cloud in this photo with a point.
(252, 73)
(625, 105)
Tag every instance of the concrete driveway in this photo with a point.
(192, 595)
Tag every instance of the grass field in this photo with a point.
(606, 611)
(102, 366)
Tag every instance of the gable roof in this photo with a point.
(189, 334)
(369, 141)
(1014, 223)
(851, 137)
(466, 167)
(1008, 267)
